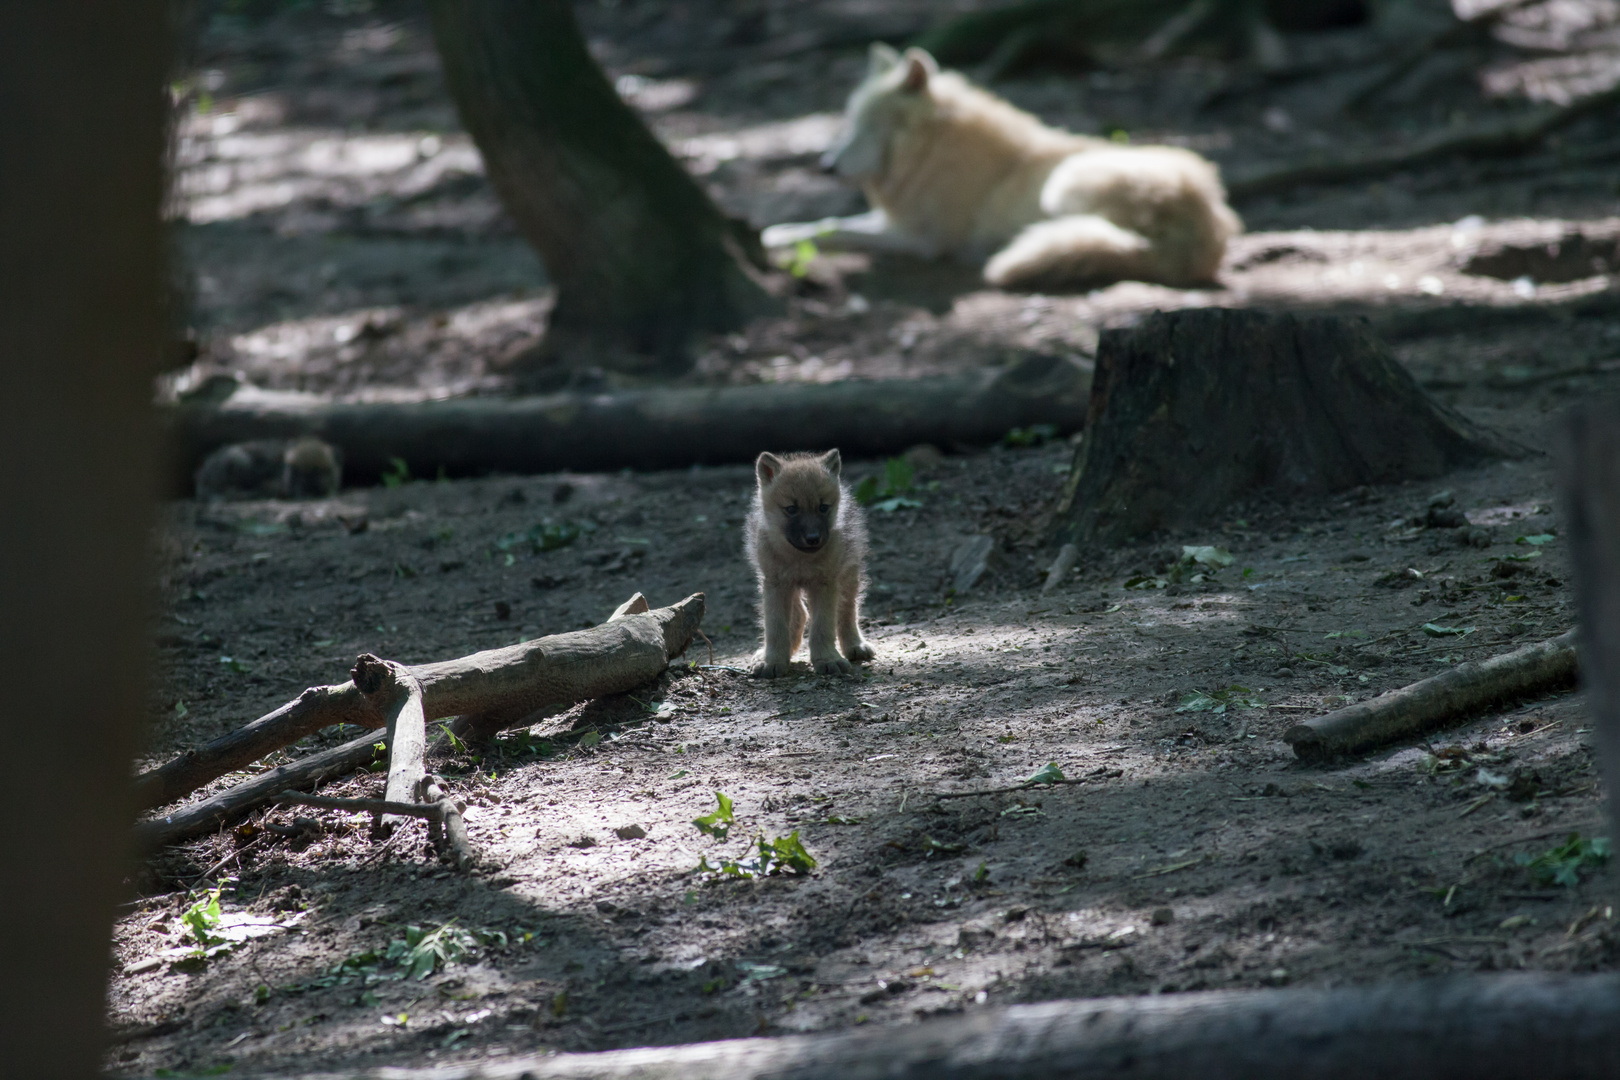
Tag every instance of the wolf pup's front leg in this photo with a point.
(806, 539)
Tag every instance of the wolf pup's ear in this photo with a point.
(880, 58)
(831, 461)
(920, 67)
(767, 467)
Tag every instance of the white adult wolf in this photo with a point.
(953, 171)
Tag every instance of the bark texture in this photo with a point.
(641, 258)
(81, 124)
(1592, 514)
(1478, 1027)
(1191, 410)
(1449, 697)
(646, 429)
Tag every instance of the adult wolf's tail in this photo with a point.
(1079, 249)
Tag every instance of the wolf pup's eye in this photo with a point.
(825, 508)
(790, 510)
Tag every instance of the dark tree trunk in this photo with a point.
(81, 121)
(641, 258)
(1192, 410)
(1592, 512)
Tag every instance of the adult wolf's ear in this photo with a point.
(767, 467)
(832, 462)
(880, 58)
(920, 67)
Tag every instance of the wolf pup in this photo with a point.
(807, 541)
(953, 171)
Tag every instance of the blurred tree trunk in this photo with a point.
(81, 123)
(641, 258)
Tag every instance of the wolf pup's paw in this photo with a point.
(860, 653)
(830, 665)
(764, 669)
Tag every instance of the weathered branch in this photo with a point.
(502, 684)
(1450, 696)
(1482, 1027)
(645, 429)
(316, 708)
(228, 805)
(1507, 140)
(398, 695)
(455, 848)
(487, 691)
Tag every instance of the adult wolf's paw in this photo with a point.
(764, 669)
(860, 653)
(830, 665)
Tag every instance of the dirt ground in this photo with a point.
(342, 240)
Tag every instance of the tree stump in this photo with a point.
(1192, 410)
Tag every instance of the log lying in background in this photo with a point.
(645, 429)
(1449, 697)
(498, 686)
(1476, 1027)
(487, 691)
(1191, 410)
(1592, 514)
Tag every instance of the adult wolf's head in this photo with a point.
(892, 96)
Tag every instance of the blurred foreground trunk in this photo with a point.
(641, 258)
(81, 124)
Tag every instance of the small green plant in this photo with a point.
(1218, 701)
(397, 474)
(783, 854)
(889, 494)
(456, 744)
(202, 919)
(805, 252)
(546, 536)
(718, 822)
(1564, 864)
(1034, 435)
(1048, 774)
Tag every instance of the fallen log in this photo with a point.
(497, 687)
(1475, 1027)
(1449, 697)
(447, 829)
(1192, 410)
(486, 691)
(1592, 514)
(643, 429)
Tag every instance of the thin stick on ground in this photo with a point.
(1448, 697)
(427, 811)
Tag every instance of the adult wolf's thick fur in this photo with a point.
(951, 170)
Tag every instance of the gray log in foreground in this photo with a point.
(1499, 1027)
(647, 429)
(1452, 695)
